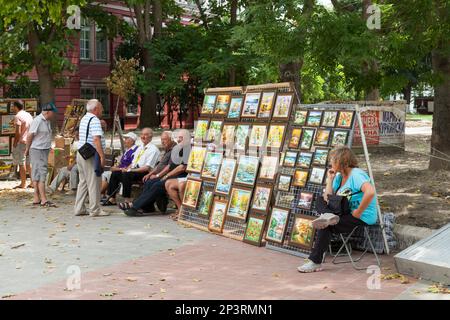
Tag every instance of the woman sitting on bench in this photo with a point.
(344, 178)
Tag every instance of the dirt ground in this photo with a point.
(416, 196)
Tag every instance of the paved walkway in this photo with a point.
(118, 257)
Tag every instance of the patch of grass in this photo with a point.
(419, 117)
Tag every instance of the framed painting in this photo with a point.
(339, 138)
(290, 158)
(4, 107)
(222, 105)
(275, 136)
(200, 130)
(211, 165)
(317, 175)
(5, 146)
(257, 136)
(300, 178)
(284, 200)
(304, 159)
(70, 125)
(283, 105)
(300, 117)
(192, 192)
(217, 215)
(277, 224)
(50, 174)
(247, 170)
(307, 138)
(208, 105)
(269, 168)
(261, 198)
(195, 160)
(322, 137)
(255, 229)
(225, 178)
(303, 232)
(329, 119)
(305, 200)
(241, 137)
(239, 203)
(234, 112)
(205, 202)
(294, 140)
(320, 157)
(345, 119)
(251, 104)
(227, 137)
(284, 182)
(8, 124)
(314, 118)
(214, 131)
(31, 105)
(266, 106)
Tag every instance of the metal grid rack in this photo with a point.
(233, 228)
(310, 187)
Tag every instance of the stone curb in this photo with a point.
(407, 235)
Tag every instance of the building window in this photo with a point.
(93, 42)
(99, 93)
(85, 39)
(101, 49)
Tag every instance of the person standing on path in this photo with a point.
(89, 172)
(22, 122)
(39, 142)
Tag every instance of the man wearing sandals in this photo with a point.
(89, 171)
(39, 142)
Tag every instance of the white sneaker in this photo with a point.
(310, 267)
(99, 214)
(325, 220)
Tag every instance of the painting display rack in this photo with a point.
(234, 228)
(294, 192)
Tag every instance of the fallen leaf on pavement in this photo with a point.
(391, 276)
(9, 295)
(162, 290)
(131, 279)
(438, 288)
(18, 245)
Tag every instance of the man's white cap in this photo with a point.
(131, 135)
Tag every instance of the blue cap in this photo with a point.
(50, 107)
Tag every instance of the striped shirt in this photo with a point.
(95, 129)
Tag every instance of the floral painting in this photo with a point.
(302, 234)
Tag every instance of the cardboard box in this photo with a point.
(57, 158)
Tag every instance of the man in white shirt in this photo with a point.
(145, 159)
(90, 132)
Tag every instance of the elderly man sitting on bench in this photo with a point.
(145, 158)
(155, 190)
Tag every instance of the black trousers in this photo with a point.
(153, 190)
(127, 179)
(346, 224)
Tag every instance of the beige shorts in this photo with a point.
(18, 154)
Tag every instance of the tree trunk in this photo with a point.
(407, 93)
(440, 137)
(45, 77)
(290, 72)
(233, 21)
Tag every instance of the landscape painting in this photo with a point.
(239, 203)
(277, 225)
(204, 205)
(255, 229)
(303, 232)
(217, 216)
(212, 165)
(251, 104)
(192, 192)
(222, 104)
(208, 104)
(247, 170)
(266, 107)
(234, 111)
(225, 178)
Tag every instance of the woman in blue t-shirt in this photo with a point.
(346, 179)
